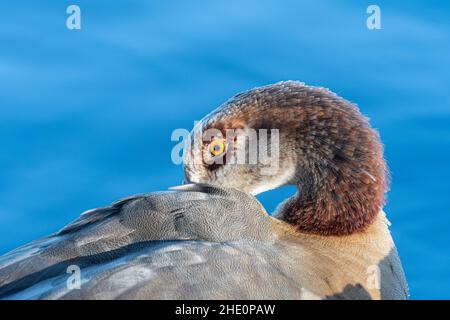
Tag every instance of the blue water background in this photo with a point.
(86, 115)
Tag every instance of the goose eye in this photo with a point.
(216, 147)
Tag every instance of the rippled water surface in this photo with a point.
(86, 115)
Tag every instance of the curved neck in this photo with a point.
(341, 174)
(334, 206)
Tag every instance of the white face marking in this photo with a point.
(278, 181)
(194, 178)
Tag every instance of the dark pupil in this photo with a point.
(216, 147)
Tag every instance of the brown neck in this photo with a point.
(341, 173)
(340, 204)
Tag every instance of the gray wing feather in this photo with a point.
(157, 245)
(91, 216)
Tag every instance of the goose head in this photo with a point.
(292, 134)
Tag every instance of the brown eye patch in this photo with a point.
(214, 153)
(217, 147)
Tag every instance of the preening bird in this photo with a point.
(211, 238)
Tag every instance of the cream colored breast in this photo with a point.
(359, 266)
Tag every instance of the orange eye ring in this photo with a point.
(216, 148)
